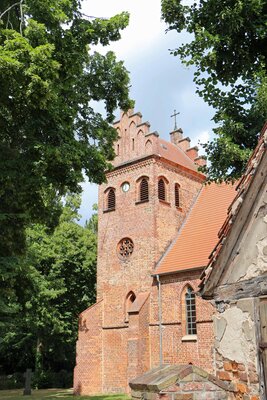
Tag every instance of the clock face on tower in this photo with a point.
(125, 187)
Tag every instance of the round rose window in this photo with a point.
(125, 248)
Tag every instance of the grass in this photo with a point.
(55, 394)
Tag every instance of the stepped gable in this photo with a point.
(242, 189)
(136, 141)
(199, 233)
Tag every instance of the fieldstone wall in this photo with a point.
(236, 347)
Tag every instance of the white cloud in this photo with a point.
(159, 82)
(201, 138)
(144, 29)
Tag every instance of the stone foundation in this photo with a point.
(181, 382)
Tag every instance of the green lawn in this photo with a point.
(55, 394)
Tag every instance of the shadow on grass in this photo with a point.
(54, 394)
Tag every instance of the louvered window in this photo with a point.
(111, 200)
(177, 195)
(144, 194)
(190, 304)
(161, 190)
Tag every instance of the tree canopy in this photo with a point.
(49, 131)
(229, 51)
(50, 134)
(55, 282)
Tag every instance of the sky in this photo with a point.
(160, 84)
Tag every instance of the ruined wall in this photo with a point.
(249, 258)
(236, 347)
(237, 323)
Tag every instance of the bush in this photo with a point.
(51, 379)
(14, 381)
(45, 380)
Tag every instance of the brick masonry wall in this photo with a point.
(143, 348)
(88, 370)
(148, 225)
(245, 377)
(236, 348)
(123, 349)
(115, 359)
(176, 350)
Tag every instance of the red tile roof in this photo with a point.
(198, 235)
(175, 154)
(236, 204)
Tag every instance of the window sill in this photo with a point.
(109, 210)
(189, 338)
(141, 201)
(165, 202)
(179, 208)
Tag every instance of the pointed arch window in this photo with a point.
(177, 195)
(161, 190)
(190, 305)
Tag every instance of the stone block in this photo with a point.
(224, 376)
(200, 372)
(243, 376)
(136, 394)
(184, 396)
(253, 377)
(241, 387)
(227, 365)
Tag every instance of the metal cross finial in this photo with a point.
(174, 115)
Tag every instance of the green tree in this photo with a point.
(229, 51)
(49, 131)
(55, 283)
(92, 224)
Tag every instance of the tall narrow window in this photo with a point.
(111, 200)
(190, 304)
(118, 149)
(161, 190)
(177, 195)
(144, 191)
(133, 144)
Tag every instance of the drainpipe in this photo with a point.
(160, 321)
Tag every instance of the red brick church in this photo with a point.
(158, 223)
